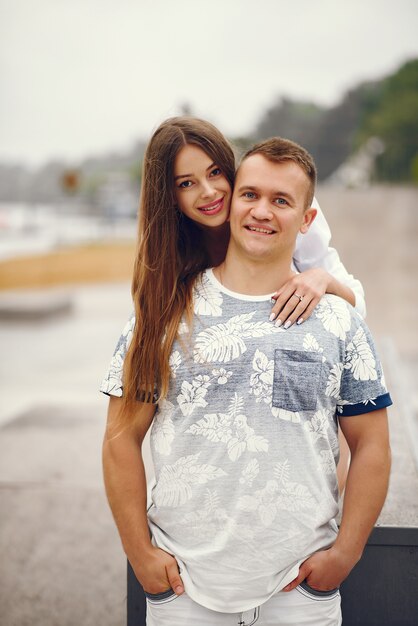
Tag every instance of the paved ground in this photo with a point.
(61, 562)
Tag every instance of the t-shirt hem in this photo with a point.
(235, 607)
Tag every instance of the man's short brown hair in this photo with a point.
(278, 150)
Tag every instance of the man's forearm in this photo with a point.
(365, 493)
(126, 490)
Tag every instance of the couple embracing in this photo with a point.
(249, 363)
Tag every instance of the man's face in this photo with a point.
(268, 207)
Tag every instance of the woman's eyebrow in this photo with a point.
(187, 175)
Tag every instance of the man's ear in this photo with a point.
(308, 217)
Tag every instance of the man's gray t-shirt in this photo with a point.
(245, 444)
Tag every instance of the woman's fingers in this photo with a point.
(284, 300)
(290, 314)
(289, 308)
(293, 310)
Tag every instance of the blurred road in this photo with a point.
(61, 563)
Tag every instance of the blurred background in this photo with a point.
(83, 86)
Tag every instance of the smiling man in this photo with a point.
(245, 445)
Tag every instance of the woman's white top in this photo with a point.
(313, 250)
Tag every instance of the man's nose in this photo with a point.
(261, 210)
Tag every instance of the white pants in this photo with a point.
(300, 607)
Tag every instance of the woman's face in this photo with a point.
(202, 191)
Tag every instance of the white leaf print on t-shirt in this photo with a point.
(214, 426)
(245, 439)
(282, 471)
(163, 428)
(261, 381)
(334, 315)
(225, 342)
(359, 358)
(175, 482)
(311, 344)
(249, 473)
(277, 495)
(261, 385)
(334, 381)
(317, 427)
(207, 299)
(213, 522)
(193, 394)
(327, 462)
(295, 497)
(174, 362)
(112, 383)
(230, 428)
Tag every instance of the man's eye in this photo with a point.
(249, 194)
(280, 201)
(216, 171)
(185, 184)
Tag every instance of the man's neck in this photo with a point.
(253, 277)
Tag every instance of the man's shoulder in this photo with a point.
(335, 316)
(332, 303)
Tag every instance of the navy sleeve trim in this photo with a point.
(381, 402)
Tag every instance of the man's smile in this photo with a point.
(260, 229)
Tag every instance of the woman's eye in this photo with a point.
(216, 171)
(185, 184)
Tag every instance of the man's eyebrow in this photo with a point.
(285, 194)
(250, 187)
(189, 175)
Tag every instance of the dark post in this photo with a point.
(136, 603)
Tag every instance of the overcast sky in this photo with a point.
(78, 77)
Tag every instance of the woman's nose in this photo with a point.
(208, 191)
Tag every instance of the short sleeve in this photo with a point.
(363, 388)
(112, 382)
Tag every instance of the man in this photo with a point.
(242, 514)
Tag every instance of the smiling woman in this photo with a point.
(204, 195)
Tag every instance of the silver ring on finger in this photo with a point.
(299, 296)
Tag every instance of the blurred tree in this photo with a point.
(335, 134)
(393, 117)
(292, 119)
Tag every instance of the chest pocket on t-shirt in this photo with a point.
(296, 379)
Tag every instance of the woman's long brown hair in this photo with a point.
(170, 255)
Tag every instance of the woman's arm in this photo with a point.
(321, 272)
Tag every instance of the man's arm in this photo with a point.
(368, 439)
(126, 489)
